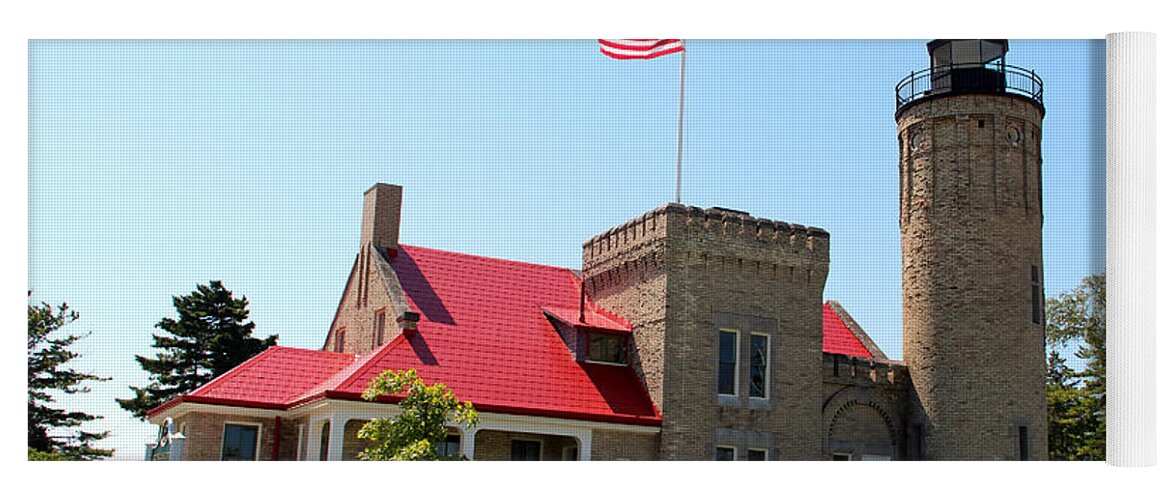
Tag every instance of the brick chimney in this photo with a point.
(381, 209)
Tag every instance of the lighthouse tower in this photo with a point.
(970, 215)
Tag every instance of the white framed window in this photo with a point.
(569, 454)
(729, 364)
(241, 442)
(757, 455)
(758, 366)
(725, 453)
(875, 458)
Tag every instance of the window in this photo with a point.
(450, 446)
(526, 451)
(607, 348)
(841, 457)
(758, 368)
(569, 454)
(323, 452)
(728, 376)
(875, 458)
(339, 340)
(755, 455)
(239, 442)
(379, 326)
(725, 454)
(1024, 442)
(1037, 299)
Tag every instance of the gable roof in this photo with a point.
(837, 336)
(486, 331)
(272, 379)
(483, 332)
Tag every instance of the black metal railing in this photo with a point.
(974, 78)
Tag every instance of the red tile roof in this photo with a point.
(836, 337)
(485, 331)
(272, 379)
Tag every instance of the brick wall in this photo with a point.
(680, 274)
(970, 216)
(205, 435)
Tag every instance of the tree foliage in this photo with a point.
(211, 336)
(415, 433)
(48, 354)
(1077, 399)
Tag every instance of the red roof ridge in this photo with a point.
(497, 259)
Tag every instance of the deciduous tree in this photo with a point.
(1077, 398)
(415, 433)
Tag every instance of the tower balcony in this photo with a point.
(967, 67)
(968, 79)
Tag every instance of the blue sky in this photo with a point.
(157, 165)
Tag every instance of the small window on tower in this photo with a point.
(339, 340)
(1038, 300)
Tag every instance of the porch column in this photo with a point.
(313, 444)
(337, 437)
(467, 443)
(585, 445)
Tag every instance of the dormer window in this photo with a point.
(606, 348)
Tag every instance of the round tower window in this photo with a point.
(916, 141)
(1013, 134)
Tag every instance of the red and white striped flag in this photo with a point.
(638, 48)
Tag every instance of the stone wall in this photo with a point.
(679, 275)
(970, 216)
(865, 407)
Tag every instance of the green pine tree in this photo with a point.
(1077, 399)
(53, 433)
(211, 336)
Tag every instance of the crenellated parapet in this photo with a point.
(752, 243)
(858, 371)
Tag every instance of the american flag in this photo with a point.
(638, 48)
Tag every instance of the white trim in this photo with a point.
(726, 447)
(736, 367)
(184, 408)
(607, 363)
(768, 365)
(255, 448)
(750, 450)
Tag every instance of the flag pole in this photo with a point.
(679, 144)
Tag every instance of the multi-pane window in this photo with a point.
(526, 451)
(725, 454)
(1037, 299)
(239, 442)
(728, 376)
(607, 348)
(449, 447)
(755, 455)
(758, 367)
(379, 326)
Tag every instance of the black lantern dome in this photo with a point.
(961, 66)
